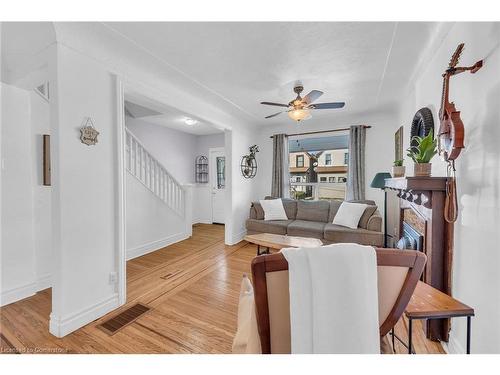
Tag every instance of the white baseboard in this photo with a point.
(60, 327)
(18, 293)
(453, 346)
(202, 221)
(24, 291)
(155, 245)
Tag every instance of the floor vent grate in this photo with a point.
(123, 319)
(170, 275)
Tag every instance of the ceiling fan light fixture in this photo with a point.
(299, 114)
(190, 121)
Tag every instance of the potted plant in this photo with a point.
(398, 169)
(422, 150)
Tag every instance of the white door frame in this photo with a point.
(120, 214)
(211, 175)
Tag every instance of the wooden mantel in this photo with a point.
(425, 196)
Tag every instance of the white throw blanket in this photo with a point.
(333, 299)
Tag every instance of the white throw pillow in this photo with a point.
(273, 209)
(349, 214)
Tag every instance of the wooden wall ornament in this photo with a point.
(451, 131)
(88, 133)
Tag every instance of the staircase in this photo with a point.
(143, 166)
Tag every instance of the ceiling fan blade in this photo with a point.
(276, 114)
(275, 104)
(312, 96)
(327, 105)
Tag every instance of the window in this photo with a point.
(221, 172)
(299, 161)
(328, 159)
(346, 158)
(316, 164)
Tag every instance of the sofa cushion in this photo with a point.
(313, 211)
(305, 228)
(334, 207)
(337, 233)
(369, 211)
(275, 226)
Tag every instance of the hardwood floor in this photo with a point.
(192, 288)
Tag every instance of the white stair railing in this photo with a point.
(143, 166)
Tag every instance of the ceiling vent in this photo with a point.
(43, 91)
(137, 111)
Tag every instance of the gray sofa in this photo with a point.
(314, 219)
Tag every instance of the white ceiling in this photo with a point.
(157, 113)
(234, 66)
(367, 65)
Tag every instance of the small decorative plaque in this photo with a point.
(88, 133)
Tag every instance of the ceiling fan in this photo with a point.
(300, 108)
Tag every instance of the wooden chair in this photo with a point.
(398, 274)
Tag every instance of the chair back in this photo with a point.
(398, 275)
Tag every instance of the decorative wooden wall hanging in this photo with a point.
(451, 131)
(88, 133)
(46, 160)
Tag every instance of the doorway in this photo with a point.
(217, 174)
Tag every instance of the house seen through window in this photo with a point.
(319, 166)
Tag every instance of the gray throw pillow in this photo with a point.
(369, 211)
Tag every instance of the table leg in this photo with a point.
(258, 249)
(468, 334)
(410, 321)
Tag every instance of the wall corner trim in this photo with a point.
(238, 237)
(60, 327)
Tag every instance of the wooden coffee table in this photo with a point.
(278, 241)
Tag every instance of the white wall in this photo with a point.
(84, 200)
(151, 224)
(379, 146)
(476, 258)
(26, 200)
(175, 150)
(18, 266)
(42, 215)
(242, 191)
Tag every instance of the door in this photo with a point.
(217, 173)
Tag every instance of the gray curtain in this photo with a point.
(280, 186)
(356, 171)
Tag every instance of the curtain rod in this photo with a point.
(322, 131)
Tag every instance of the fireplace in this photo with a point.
(422, 227)
(410, 238)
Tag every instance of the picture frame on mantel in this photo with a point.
(398, 144)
